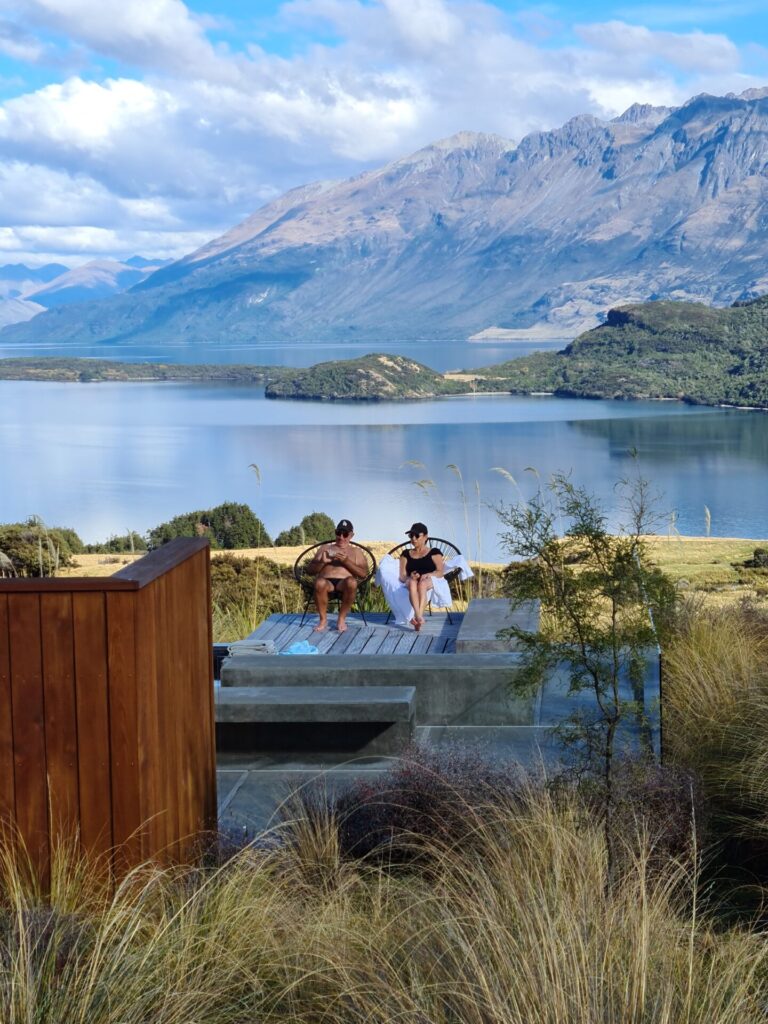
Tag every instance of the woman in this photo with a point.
(419, 565)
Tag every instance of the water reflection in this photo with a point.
(106, 458)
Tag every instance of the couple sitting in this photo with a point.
(339, 565)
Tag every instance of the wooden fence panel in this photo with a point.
(106, 709)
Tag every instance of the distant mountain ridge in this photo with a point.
(475, 232)
(26, 291)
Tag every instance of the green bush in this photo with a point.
(34, 549)
(231, 525)
(118, 544)
(313, 528)
(238, 582)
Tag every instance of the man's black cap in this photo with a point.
(344, 526)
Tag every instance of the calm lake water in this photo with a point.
(440, 355)
(104, 458)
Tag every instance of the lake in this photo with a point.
(104, 458)
(440, 355)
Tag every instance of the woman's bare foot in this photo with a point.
(417, 624)
(341, 627)
(320, 627)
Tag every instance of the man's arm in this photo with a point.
(319, 562)
(354, 562)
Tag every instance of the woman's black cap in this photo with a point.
(417, 528)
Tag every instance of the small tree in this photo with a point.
(313, 528)
(601, 602)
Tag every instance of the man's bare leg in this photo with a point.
(321, 601)
(349, 589)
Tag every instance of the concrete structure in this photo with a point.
(464, 696)
(377, 719)
(461, 689)
(486, 618)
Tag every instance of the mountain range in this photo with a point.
(26, 291)
(475, 234)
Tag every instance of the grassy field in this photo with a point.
(702, 562)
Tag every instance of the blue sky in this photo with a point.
(153, 125)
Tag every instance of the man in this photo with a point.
(338, 566)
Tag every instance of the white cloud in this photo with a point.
(158, 34)
(698, 52)
(205, 135)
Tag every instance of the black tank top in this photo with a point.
(421, 565)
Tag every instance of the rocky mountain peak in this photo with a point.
(474, 232)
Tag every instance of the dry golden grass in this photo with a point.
(106, 565)
(515, 929)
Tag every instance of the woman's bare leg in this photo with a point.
(425, 585)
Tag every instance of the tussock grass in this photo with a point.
(716, 708)
(512, 929)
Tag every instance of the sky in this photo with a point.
(151, 126)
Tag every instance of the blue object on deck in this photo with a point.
(301, 647)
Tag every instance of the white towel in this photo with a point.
(459, 562)
(396, 593)
(249, 646)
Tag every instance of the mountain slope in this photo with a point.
(475, 232)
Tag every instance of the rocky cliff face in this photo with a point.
(476, 232)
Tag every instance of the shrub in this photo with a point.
(118, 545)
(312, 529)
(245, 591)
(430, 797)
(660, 808)
(230, 525)
(34, 549)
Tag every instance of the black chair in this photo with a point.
(306, 580)
(447, 550)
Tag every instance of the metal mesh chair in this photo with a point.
(447, 550)
(306, 579)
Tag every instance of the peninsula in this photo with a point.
(654, 350)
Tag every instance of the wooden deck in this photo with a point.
(437, 636)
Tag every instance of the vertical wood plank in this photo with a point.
(28, 716)
(169, 712)
(183, 620)
(58, 647)
(123, 729)
(93, 756)
(150, 746)
(7, 787)
(210, 807)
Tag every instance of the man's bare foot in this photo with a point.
(341, 626)
(320, 627)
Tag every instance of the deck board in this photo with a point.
(378, 636)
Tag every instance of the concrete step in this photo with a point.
(359, 720)
(315, 704)
(486, 617)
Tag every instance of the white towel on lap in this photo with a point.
(396, 593)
